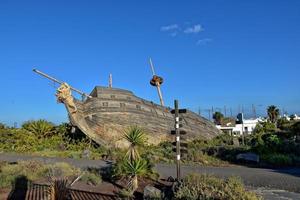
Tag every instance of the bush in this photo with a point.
(41, 128)
(60, 169)
(8, 172)
(91, 177)
(196, 186)
(277, 159)
(2, 126)
(126, 194)
(55, 145)
(33, 170)
(265, 127)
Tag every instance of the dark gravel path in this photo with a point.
(286, 179)
(80, 163)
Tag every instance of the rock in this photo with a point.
(86, 153)
(151, 192)
(171, 179)
(252, 157)
(236, 142)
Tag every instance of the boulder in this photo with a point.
(86, 153)
(249, 157)
(151, 192)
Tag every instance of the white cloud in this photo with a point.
(203, 41)
(194, 29)
(173, 34)
(169, 27)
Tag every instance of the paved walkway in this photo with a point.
(284, 179)
(270, 183)
(80, 163)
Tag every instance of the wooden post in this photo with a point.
(177, 140)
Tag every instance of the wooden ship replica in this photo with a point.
(105, 113)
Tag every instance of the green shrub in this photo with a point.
(2, 126)
(41, 128)
(60, 169)
(277, 159)
(196, 186)
(296, 160)
(264, 127)
(30, 169)
(91, 177)
(34, 170)
(126, 194)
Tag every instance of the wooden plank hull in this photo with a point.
(106, 116)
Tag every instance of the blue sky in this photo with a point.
(210, 53)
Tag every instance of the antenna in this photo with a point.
(110, 81)
(254, 111)
(156, 81)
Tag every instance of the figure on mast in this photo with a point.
(156, 81)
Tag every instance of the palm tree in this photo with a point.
(136, 138)
(218, 117)
(273, 113)
(134, 169)
(40, 128)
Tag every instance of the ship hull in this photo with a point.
(111, 111)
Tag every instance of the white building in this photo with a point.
(296, 117)
(248, 127)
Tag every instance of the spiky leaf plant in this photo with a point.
(134, 169)
(136, 138)
(41, 128)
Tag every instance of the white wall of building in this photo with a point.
(248, 127)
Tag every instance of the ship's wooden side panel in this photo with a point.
(111, 111)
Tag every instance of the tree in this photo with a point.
(41, 128)
(273, 113)
(218, 118)
(136, 138)
(292, 117)
(2, 126)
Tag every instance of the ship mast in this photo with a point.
(156, 81)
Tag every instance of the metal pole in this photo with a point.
(160, 95)
(243, 137)
(110, 81)
(60, 82)
(177, 139)
(152, 68)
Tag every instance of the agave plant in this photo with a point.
(134, 169)
(40, 128)
(136, 138)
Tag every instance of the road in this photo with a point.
(271, 183)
